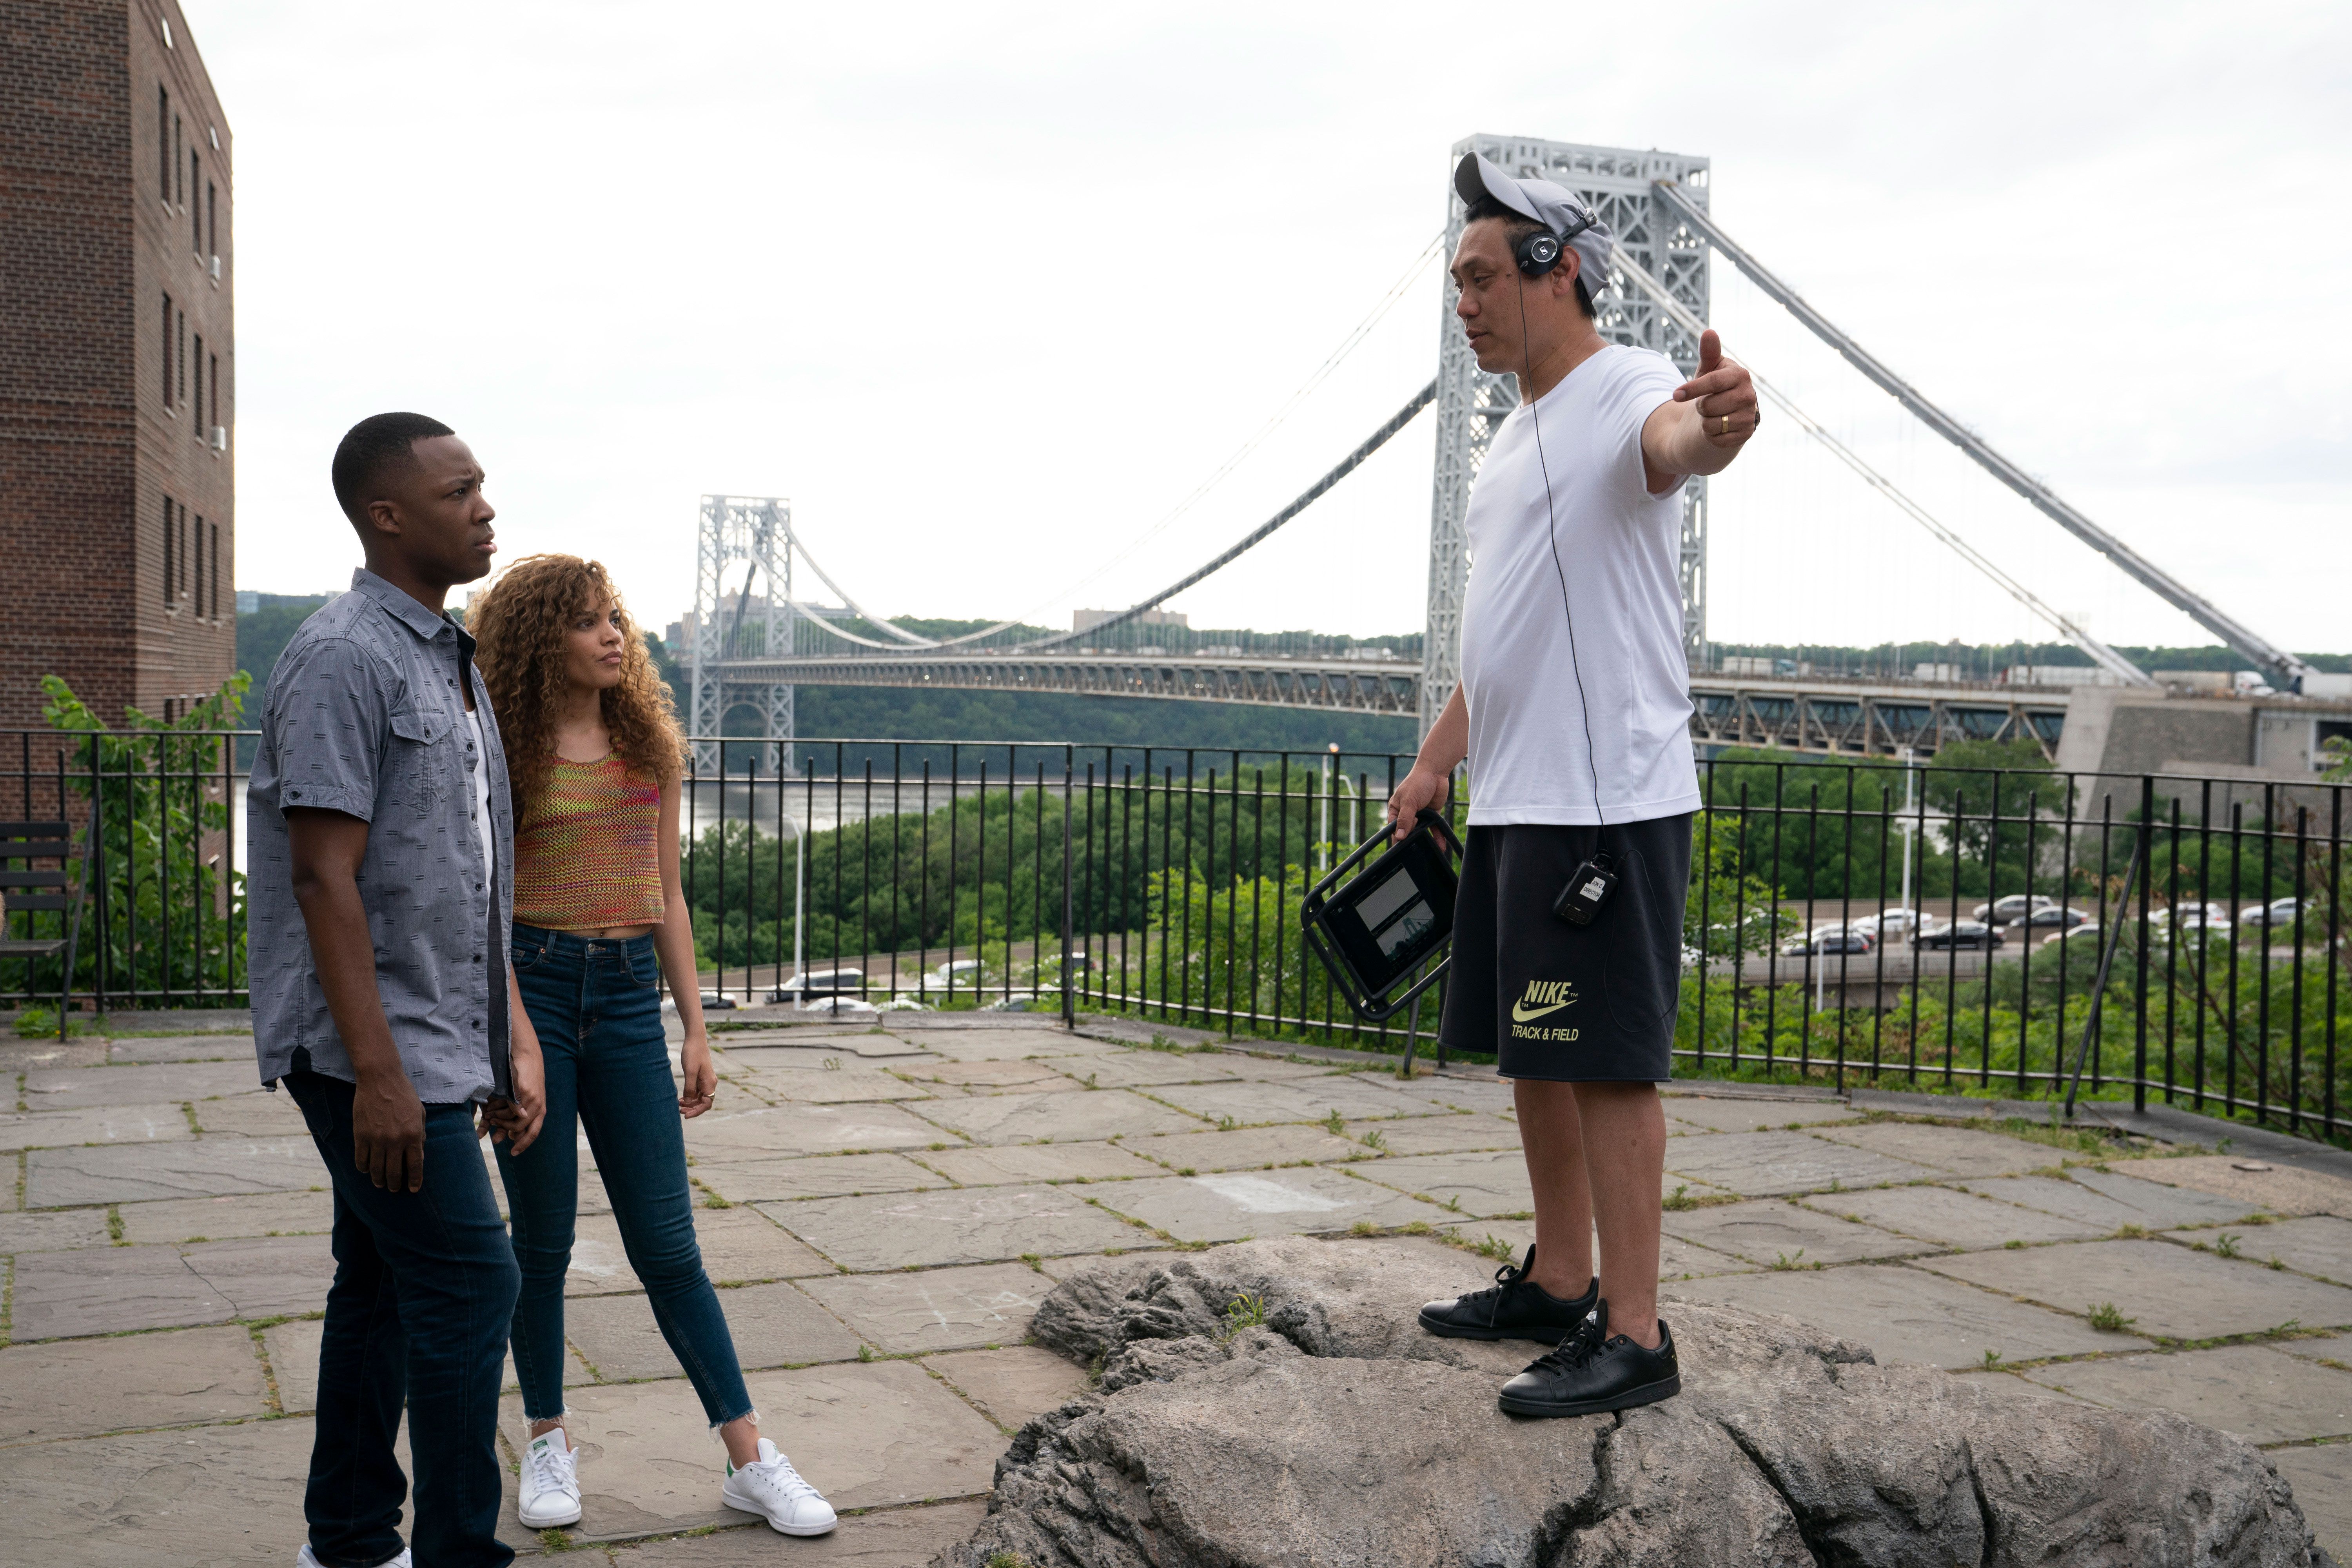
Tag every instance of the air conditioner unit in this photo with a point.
(220, 437)
(215, 269)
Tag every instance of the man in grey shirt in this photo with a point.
(378, 907)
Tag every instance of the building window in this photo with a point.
(168, 562)
(167, 351)
(212, 220)
(164, 142)
(216, 576)
(198, 407)
(195, 212)
(176, 196)
(197, 604)
(182, 341)
(213, 402)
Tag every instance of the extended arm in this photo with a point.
(387, 1118)
(674, 943)
(1712, 416)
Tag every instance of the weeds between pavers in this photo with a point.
(2108, 1319)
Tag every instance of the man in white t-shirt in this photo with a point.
(1573, 713)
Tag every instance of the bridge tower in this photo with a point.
(758, 531)
(1615, 182)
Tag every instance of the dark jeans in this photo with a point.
(595, 1003)
(425, 1286)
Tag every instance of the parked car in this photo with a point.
(2048, 916)
(1959, 934)
(2278, 912)
(2000, 912)
(1830, 938)
(2089, 931)
(2211, 919)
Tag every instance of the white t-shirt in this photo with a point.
(482, 796)
(1618, 549)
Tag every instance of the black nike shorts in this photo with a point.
(1591, 1003)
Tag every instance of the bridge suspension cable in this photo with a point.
(2066, 625)
(2289, 669)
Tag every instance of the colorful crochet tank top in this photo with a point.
(586, 849)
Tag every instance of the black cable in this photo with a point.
(1552, 536)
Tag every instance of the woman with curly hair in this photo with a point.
(595, 759)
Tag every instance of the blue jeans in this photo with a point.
(595, 1003)
(425, 1286)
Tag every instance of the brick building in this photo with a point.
(118, 380)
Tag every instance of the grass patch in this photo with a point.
(2108, 1319)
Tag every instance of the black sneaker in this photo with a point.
(1514, 1307)
(1594, 1371)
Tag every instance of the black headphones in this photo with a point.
(1539, 251)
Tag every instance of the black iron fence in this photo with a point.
(1989, 931)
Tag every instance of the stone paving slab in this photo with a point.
(81, 1389)
(989, 1075)
(886, 1538)
(1487, 1097)
(1681, 1259)
(1905, 1314)
(1249, 1148)
(29, 1056)
(1479, 1185)
(2170, 1289)
(1071, 1266)
(1074, 1116)
(184, 1049)
(2322, 1479)
(773, 1325)
(2320, 1245)
(53, 1232)
(107, 1289)
(2013, 1385)
(968, 1225)
(2248, 1391)
(1948, 1218)
(218, 1219)
(742, 1244)
(204, 1168)
(866, 1436)
(1136, 1069)
(784, 1130)
(1267, 1070)
(1017, 1162)
(1768, 1165)
(293, 1348)
(2159, 1201)
(936, 1309)
(2282, 1189)
(1305, 1100)
(252, 1116)
(71, 1088)
(1014, 1383)
(818, 1176)
(232, 1494)
(1440, 1134)
(2097, 1211)
(103, 1124)
(984, 1045)
(266, 1276)
(1961, 1151)
(2330, 1348)
(1729, 1115)
(1764, 1232)
(847, 1086)
(1236, 1204)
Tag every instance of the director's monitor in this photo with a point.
(1378, 926)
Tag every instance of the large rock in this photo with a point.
(1315, 1426)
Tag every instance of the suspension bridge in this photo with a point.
(744, 653)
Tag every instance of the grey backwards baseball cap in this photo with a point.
(1555, 206)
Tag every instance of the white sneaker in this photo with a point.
(771, 1488)
(305, 1559)
(550, 1482)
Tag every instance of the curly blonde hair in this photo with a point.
(519, 625)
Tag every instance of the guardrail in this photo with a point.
(1165, 883)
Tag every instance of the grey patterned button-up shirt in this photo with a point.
(364, 716)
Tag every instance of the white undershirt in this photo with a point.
(482, 796)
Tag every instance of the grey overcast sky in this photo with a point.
(987, 291)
